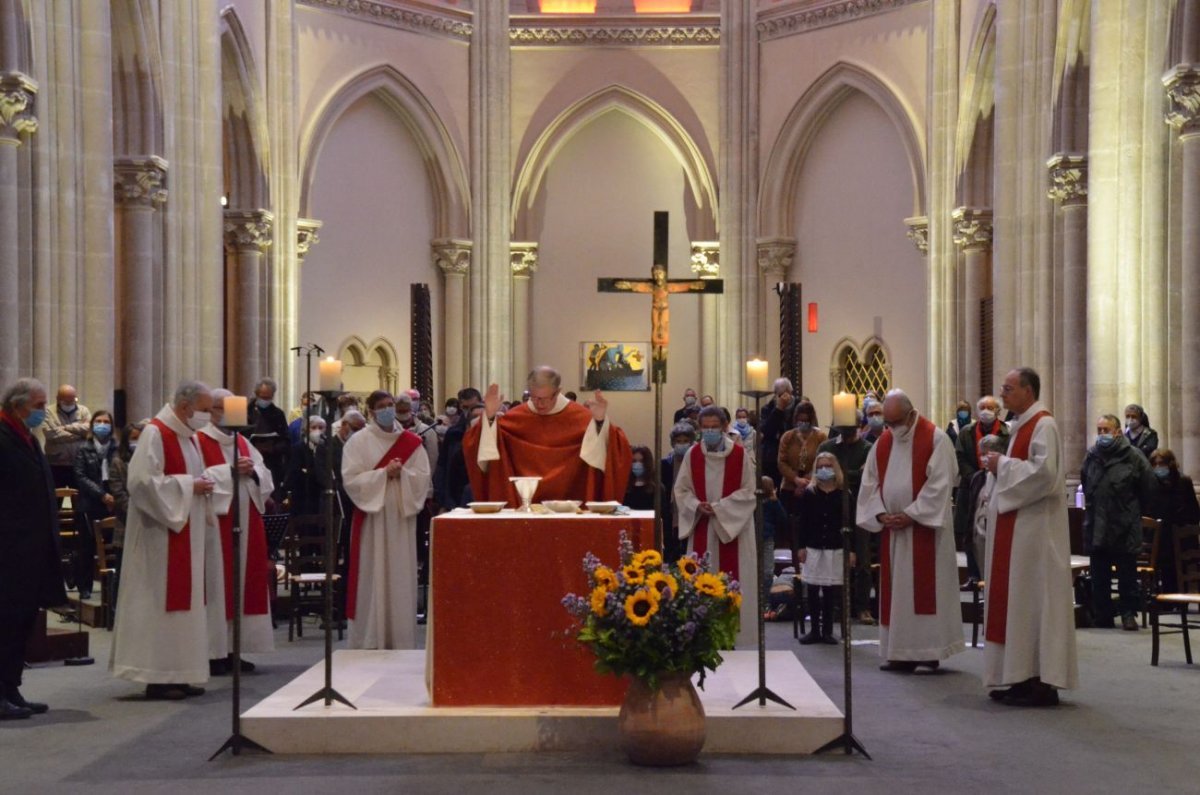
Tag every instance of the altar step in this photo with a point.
(394, 716)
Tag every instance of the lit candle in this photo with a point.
(756, 375)
(844, 415)
(235, 411)
(331, 375)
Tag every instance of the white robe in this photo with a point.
(150, 644)
(429, 440)
(386, 605)
(734, 519)
(1040, 631)
(257, 633)
(910, 636)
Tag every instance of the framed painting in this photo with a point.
(615, 366)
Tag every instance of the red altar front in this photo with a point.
(499, 635)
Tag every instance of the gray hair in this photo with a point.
(993, 443)
(354, 414)
(315, 418)
(405, 398)
(187, 392)
(785, 383)
(684, 429)
(991, 398)
(901, 397)
(220, 393)
(543, 375)
(21, 392)
(267, 382)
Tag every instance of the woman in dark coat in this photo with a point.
(93, 461)
(1138, 430)
(820, 541)
(1172, 502)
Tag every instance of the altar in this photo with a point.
(498, 634)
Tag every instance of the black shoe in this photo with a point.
(899, 666)
(165, 693)
(830, 639)
(932, 665)
(219, 667)
(1039, 695)
(810, 638)
(246, 666)
(37, 708)
(191, 690)
(10, 711)
(1129, 623)
(1000, 695)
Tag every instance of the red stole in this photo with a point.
(404, 446)
(727, 554)
(255, 594)
(924, 539)
(179, 545)
(1006, 525)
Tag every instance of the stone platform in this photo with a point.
(394, 715)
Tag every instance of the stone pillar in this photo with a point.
(1183, 92)
(775, 255)
(247, 237)
(139, 192)
(453, 258)
(973, 237)
(16, 119)
(524, 260)
(1068, 186)
(706, 264)
(306, 236)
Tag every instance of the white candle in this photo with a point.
(331, 375)
(844, 415)
(235, 411)
(756, 375)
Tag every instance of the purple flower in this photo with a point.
(735, 586)
(590, 563)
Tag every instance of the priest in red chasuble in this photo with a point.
(576, 450)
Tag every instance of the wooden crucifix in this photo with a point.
(660, 288)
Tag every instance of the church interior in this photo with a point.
(915, 194)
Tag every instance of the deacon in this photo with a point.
(905, 494)
(576, 450)
(254, 486)
(715, 500)
(161, 637)
(1029, 616)
(386, 474)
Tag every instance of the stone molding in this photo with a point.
(775, 255)
(524, 259)
(918, 232)
(706, 259)
(248, 230)
(306, 235)
(1183, 98)
(972, 228)
(17, 92)
(689, 31)
(407, 15)
(140, 181)
(1068, 178)
(801, 18)
(453, 257)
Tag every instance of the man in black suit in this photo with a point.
(270, 434)
(29, 559)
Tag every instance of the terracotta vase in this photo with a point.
(665, 726)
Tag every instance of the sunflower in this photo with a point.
(634, 574)
(648, 559)
(604, 577)
(599, 595)
(710, 584)
(660, 582)
(688, 567)
(735, 600)
(640, 607)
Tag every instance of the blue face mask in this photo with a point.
(1105, 440)
(36, 418)
(875, 421)
(102, 430)
(639, 469)
(262, 404)
(964, 416)
(1162, 472)
(825, 474)
(711, 436)
(386, 417)
(682, 448)
(804, 427)
(743, 425)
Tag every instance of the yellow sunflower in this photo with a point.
(640, 607)
(605, 577)
(735, 600)
(660, 582)
(648, 559)
(688, 567)
(634, 574)
(599, 595)
(709, 584)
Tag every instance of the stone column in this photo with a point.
(453, 258)
(247, 237)
(524, 260)
(775, 255)
(1183, 92)
(706, 264)
(16, 119)
(139, 192)
(306, 236)
(973, 237)
(1068, 186)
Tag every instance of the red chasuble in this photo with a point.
(924, 539)
(257, 567)
(547, 445)
(179, 545)
(728, 552)
(1006, 524)
(404, 446)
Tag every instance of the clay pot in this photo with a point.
(665, 726)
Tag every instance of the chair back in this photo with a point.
(304, 544)
(1187, 558)
(1075, 526)
(1147, 557)
(106, 556)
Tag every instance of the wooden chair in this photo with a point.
(106, 567)
(1187, 567)
(68, 533)
(304, 560)
(1147, 565)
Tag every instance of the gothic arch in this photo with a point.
(451, 198)
(1071, 83)
(244, 126)
(778, 192)
(377, 360)
(655, 117)
(137, 80)
(974, 134)
(15, 51)
(856, 368)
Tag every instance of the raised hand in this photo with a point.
(599, 406)
(491, 401)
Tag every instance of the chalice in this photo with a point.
(526, 487)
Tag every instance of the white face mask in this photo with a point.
(315, 436)
(903, 433)
(987, 416)
(199, 419)
(451, 411)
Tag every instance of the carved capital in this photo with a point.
(918, 232)
(1183, 98)
(248, 230)
(775, 256)
(1068, 178)
(706, 259)
(16, 106)
(306, 235)
(524, 259)
(972, 228)
(453, 257)
(140, 181)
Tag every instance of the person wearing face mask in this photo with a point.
(410, 421)
(1138, 430)
(969, 462)
(66, 429)
(161, 633)
(1117, 482)
(93, 462)
(962, 418)
(715, 499)
(689, 400)
(447, 418)
(118, 487)
(776, 419)
(450, 474)
(746, 435)
(873, 426)
(1172, 502)
(797, 450)
(851, 452)
(820, 511)
(30, 576)
(302, 480)
(639, 495)
(269, 432)
(905, 495)
(683, 436)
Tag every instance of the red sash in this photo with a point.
(727, 553)
(256, 591)
(404, 446)
(1006, 525)
(924, 539)
(179, 545)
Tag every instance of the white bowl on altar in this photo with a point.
(486, 507)
(606, 506)
(562, 506)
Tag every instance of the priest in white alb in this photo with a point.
(905, 495)
(715, 498)
(385, 471)
(160, 637)
(1029, 621)
(257, 574)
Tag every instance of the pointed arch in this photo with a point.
(244, 124)
(978, 99)
(448, 178)
(136, 79)
(858, 368)
(616, 98)
(778, 192)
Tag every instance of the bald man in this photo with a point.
(64, 432)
